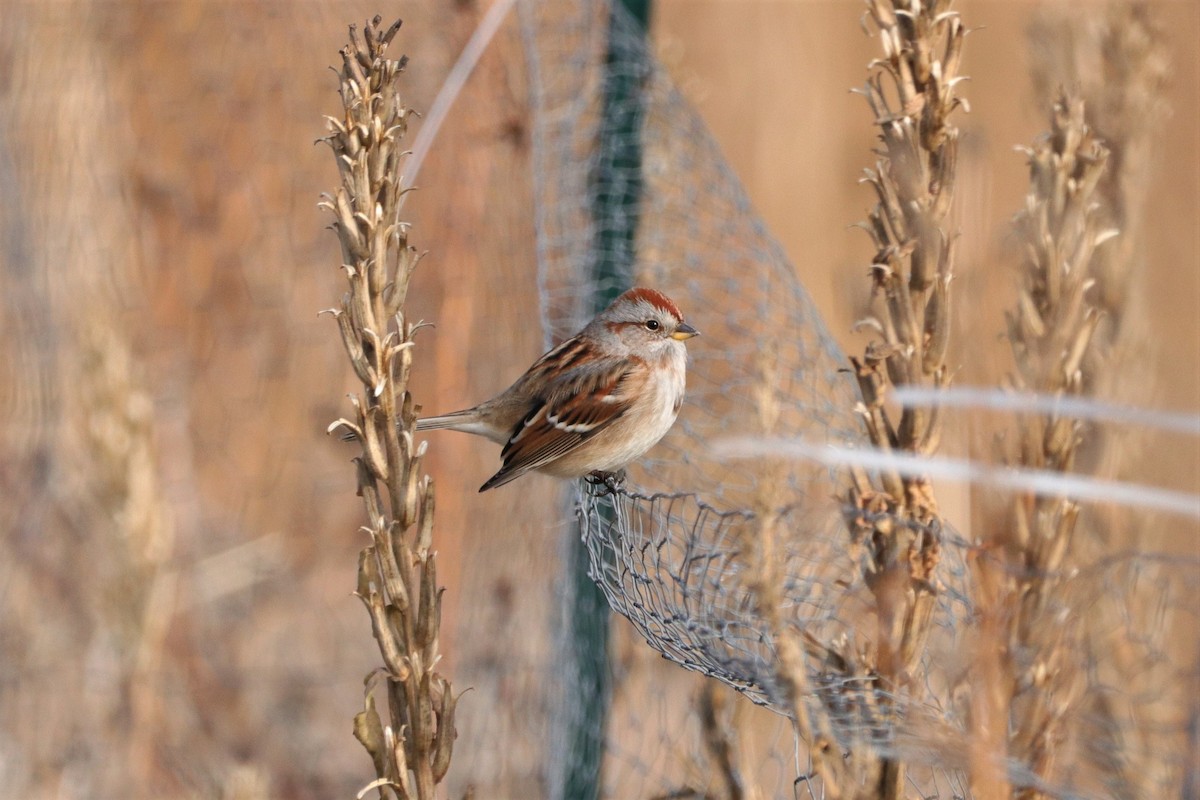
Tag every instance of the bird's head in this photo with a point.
(646, 322)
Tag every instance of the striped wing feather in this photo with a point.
(577, 407)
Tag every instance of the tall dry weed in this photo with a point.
(912, 92)
(1114, 57)
(412, 740)
(1023, 576)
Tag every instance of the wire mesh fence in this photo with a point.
(676, 548)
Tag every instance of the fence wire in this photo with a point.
(674, 548)
(678, 565)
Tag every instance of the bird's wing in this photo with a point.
(575, 408)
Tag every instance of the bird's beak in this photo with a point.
(684, 332)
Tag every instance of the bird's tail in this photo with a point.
(457, 419)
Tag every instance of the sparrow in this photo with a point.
(593, 404)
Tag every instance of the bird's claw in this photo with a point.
(610, 480)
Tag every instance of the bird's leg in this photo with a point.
(610, 480)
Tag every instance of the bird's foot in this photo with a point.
(610, 480)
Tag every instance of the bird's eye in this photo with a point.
(652, 325)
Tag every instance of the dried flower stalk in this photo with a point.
(768, 544)
(791, 670)
(397, 576)
(1116, 59)
(719, 740)
(912, 93)
(139, 601)
(1039, 676)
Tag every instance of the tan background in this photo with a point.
(179, 535)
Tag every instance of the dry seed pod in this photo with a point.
(443, 746)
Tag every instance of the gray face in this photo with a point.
(645, 322)
(650, 328)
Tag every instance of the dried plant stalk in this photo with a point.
(791, 670)
(1038, 675)
(411, 743)
(810, 723)
(912, 93)
(126, 490)
(719, 739)
(1116, 59)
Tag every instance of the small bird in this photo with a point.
(594, 403)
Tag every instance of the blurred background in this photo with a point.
(180, 536)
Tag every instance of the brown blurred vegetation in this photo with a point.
(179, 535)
